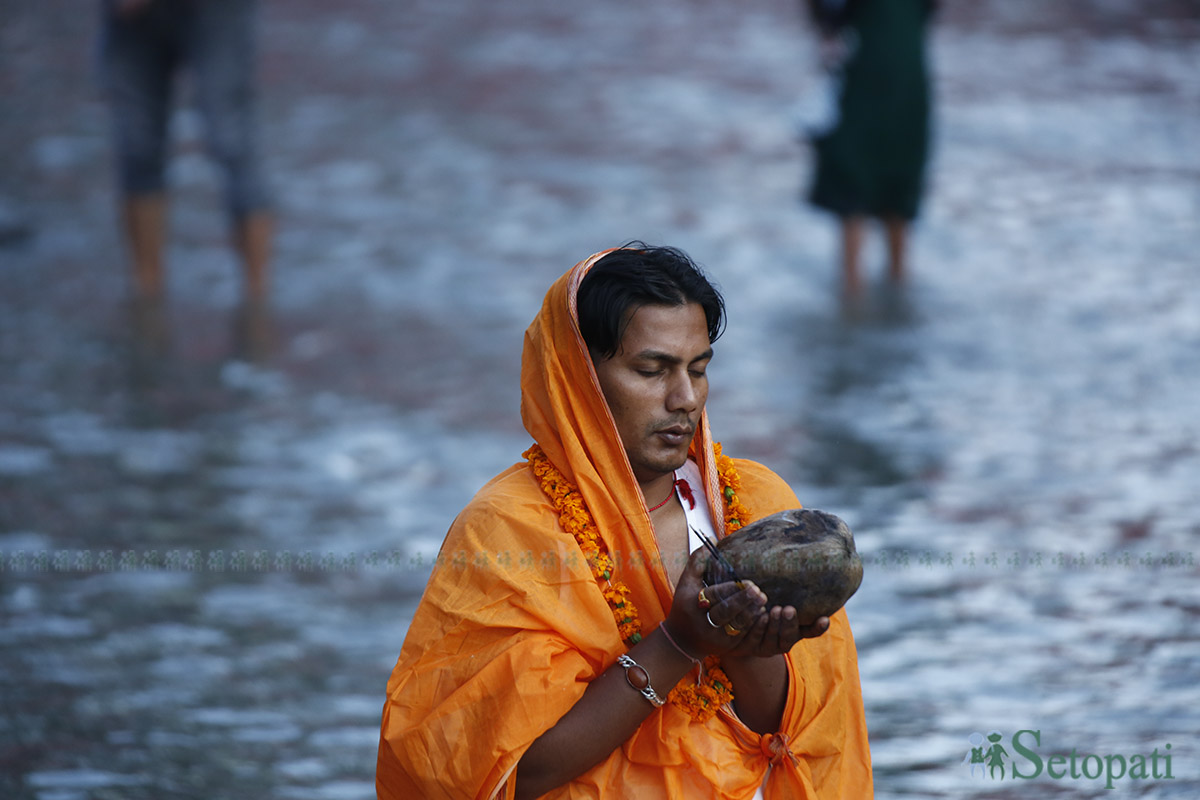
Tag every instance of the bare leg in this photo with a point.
(897, 241)
(144, 217)
(145, 220)
(852, 239)
(253, 235)
(252, 239)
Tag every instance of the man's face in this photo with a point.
(656, 386)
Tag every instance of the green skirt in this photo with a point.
(872, 161)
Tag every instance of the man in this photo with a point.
(566, 645)
(144, 45)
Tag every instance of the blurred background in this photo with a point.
(209, 554)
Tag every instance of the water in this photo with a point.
(211, 555)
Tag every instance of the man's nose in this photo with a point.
(683, 395)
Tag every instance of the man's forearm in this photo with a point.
(760, 689)
(607, 714)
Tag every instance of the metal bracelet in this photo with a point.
(647, 692)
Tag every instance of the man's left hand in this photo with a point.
(775, 632)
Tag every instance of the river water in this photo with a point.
(212, 541)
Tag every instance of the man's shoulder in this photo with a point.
(515, 484)
(763, 489)
(747, 466)
(756, 472)
(509, 511)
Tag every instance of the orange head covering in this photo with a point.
(564, 411)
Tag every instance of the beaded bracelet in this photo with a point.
(643, 677)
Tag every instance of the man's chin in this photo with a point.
(665, 463)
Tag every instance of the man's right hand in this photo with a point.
(763, 631)
(741, 607)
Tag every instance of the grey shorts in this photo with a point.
(141, 57)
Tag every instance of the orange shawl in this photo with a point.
(512, 626)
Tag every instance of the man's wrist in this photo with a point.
(674, 641)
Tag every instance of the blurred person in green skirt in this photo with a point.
(870, 163)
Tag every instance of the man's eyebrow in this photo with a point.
(668, 358)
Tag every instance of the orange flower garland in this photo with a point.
(736, 514)
(713, 688)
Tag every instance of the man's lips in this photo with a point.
(676, 434)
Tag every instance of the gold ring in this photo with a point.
(732, 631)
(704, 601)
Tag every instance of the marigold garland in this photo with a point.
(736, 514)
(713, 688)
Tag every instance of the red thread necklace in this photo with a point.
(666, 500)
(683, 488)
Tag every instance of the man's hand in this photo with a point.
(753, 656)
(762, 631)
(775, 632)
(704, 630)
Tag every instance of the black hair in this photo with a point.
(638, 275)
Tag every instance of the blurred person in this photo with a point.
(145, 45)
(871, 162)
(566, 645)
